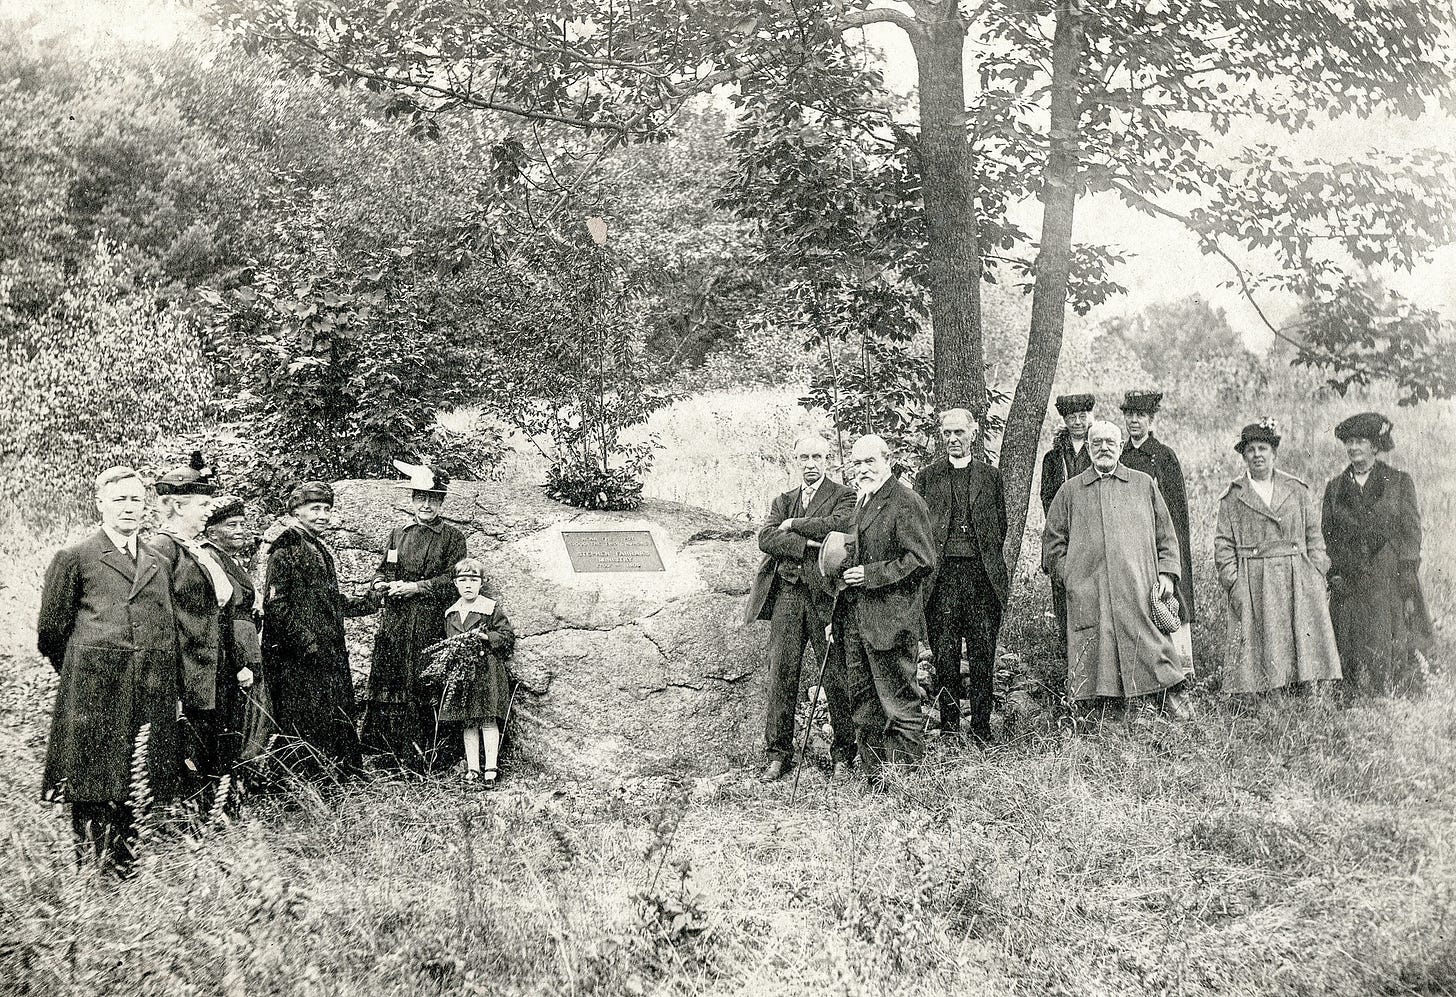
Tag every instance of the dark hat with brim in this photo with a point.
(310, 491)
(228, 506)
(1370, 426)
(193, 478)
(1072, 404)
(833, 556)
(1142, 401)
(1264, 431)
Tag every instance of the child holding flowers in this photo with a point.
(478, 639)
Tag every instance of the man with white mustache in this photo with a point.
(1109, 539)
(892, 557)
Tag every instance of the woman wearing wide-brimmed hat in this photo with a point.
(415, 582)
(1372, 528)
(1271, 560)
(211, 687)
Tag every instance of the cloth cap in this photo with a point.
(833, 554)
(310, 491)
(1142, 401)
(192, 478)
(1264, 431)
(1069, 404)
(1370, 426)
(421, 478)
(227, 507)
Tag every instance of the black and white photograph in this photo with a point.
(693, 498)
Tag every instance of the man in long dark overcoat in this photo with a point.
(1144, 452)
(969, 589)
(790, 592)
(305, 659)
(416, 582)
(1068, 457)
(106, 625)
(892, 557)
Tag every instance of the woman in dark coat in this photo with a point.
(1372, 529)
(106, 625)
(305, 660)
(247, 717)
(200, 588)
(415, 581)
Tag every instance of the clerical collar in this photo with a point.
(960, 463)
(125, 544)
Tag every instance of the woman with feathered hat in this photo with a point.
(415, 581)
(1271, 560)
(211, 687)
(1372, 528)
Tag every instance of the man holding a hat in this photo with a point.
(790, 592)
(891, 558)
(1068, 457)
(1145, 452)
(107, 626)
(415, 582)
(304, 654)
(1110, 541)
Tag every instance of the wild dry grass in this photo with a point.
(1292, 848)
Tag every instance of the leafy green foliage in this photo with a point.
(89, 383)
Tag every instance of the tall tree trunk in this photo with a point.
(1053, 268)
(948, 188)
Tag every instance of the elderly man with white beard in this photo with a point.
(1110, 540)
(891, 557)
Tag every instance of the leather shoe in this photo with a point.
(843, 772)
(774, 770)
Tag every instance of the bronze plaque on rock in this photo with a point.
(611, 550)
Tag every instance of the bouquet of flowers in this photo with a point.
(457, 661)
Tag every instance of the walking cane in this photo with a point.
(818, 687)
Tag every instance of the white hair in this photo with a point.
(1103, 424)
(876, 443)
(112, 475)
(963, 413)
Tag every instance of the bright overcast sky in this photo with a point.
(1163, 263)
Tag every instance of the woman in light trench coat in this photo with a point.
(1271, 560)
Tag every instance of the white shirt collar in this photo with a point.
(127, 545)
(960, 462)
(480, 604)
(1136, 444)
(1079, 445)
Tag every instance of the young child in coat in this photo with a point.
(478, 684)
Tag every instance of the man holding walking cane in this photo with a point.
(791, 594)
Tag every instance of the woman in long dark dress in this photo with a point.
(1372, 529)
(248, 718)
(414, 583)
(200, 588)
(305, 660)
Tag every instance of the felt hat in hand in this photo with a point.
(1165, 613)
(834, 558)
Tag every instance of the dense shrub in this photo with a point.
(92, 382)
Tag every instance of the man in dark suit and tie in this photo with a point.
(968, 592)
(892, 556)
(792, 595)
(107, 625)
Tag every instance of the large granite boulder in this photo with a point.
(621, 673)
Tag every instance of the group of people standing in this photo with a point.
(866, 571)
(177, 664)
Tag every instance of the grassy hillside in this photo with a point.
(1290, 848)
